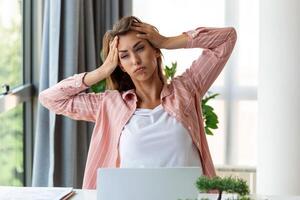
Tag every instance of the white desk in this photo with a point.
(21, 193)
(84, 195)
(92, 195)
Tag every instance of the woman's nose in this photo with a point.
(136, 60)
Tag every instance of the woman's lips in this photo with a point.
(139, 69)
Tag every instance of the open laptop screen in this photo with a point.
(147, 183)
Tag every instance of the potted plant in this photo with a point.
(235, 188)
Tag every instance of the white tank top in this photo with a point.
(153, 138)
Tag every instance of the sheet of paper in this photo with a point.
(33, 193)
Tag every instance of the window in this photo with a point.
(234, 142)
(16, 104)
(11, 147)
(11, 42)
(11, 128)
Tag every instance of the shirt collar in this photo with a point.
(129, 94)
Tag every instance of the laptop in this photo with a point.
(147, 183)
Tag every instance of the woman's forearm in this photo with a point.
(219, 40)
(175, 42)
(217, 45)
(95, 76)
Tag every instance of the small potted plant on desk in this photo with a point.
(237, 187)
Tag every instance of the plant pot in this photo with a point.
(207, 196)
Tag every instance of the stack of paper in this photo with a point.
(35, 193)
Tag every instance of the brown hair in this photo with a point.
(120, 80)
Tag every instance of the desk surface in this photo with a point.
(92, 195)
(84, 195)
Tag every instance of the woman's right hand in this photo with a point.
(109, 65)
(112, 59)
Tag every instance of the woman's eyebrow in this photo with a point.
(120, 51)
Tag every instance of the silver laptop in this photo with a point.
(147, 183)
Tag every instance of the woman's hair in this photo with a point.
(120, 80)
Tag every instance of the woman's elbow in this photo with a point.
(44, 99)
(233, 34)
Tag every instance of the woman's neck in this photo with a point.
(149, 92)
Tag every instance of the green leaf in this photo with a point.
(211, 120)
(209, 116)
(226, 184)
(207, 98)
(207, 108)
(170, 71)
(212, 126)
(99, 87)
(212, 114)
(208, 132)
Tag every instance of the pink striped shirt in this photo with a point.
(111, 110)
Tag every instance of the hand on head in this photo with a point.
(112, 60)
(150, 33)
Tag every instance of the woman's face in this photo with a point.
(137, 57)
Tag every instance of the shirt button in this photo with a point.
(198, 144)
(190, 128)
(77, 84)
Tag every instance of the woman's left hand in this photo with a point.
(150, 33)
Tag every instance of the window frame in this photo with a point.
(25, 94)
(231, 92)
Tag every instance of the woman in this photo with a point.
(140, 120)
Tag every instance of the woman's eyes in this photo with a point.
(137, 49)
(140, 48)
(125, 56)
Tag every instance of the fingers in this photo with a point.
(143, 36)
(143, 27)
(143, 24)
(113, 44)
(138, 29)
(113, 49)
(145, 30)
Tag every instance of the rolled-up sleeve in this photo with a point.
(217, 44)
(67, 98)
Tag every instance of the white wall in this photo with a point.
(278, 170)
